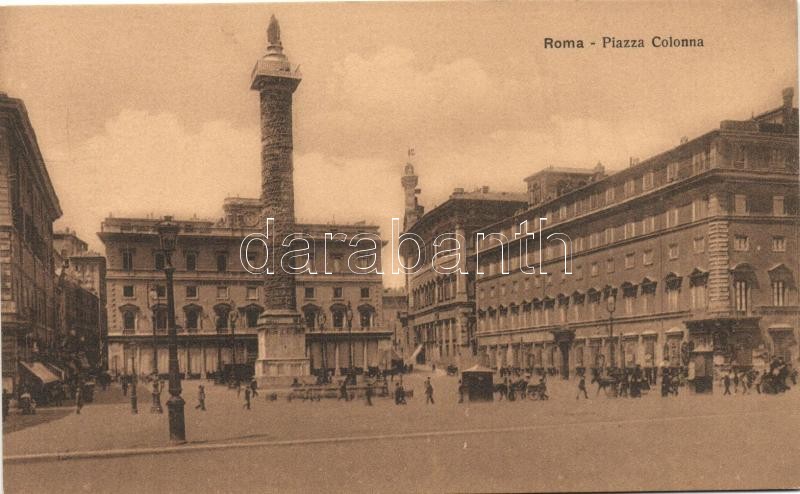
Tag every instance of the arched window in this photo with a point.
(310, 315)
(252, 312)
(129, 320)
(744, 280)
(222, 312)
(338, 313)
(781, 280)
(192, 312)
(160, 318)
(366, 315)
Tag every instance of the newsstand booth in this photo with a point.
(39, 381)
(479, 383)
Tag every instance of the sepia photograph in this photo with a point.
(412, 246)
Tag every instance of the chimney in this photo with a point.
(788, 97)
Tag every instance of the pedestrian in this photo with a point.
(735, 382)
(726, 381)
(582, 388)
(343, 391)
(79, 399)
(246, 398)
(201, 398)
(253, 388)
(238, 388)
(460, 391)
(368, 393)
(428, 392)
(124, 385)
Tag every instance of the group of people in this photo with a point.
(773, 380)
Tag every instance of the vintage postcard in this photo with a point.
(400, 247)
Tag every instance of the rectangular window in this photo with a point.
(647, 257)
(127, 291)
(337, 292)
(222, 262)
(672, 217)
(741, 295)
(673, 251)
(609, 265)
(778, 206)
(630, 229)
(647, 181)
(609, 235)
(740, 204)
(578, 272)
(159, 261)
(191, 291)
(630, 187)
(252, 293)
(778, 244)
(191, 261)
(699, 245)
(365, 292)
(222, 292)
(161, 291)
(630, 260)
(595, 270)
(672, 171)
(309, 292)
(562, 212)
(778, 293)
(610, 195)
(127, 260)
(741, 243)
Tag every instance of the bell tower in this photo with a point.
(409, 181)
(281, 337)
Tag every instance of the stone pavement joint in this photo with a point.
(191, 448)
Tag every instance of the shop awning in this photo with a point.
(40, 372)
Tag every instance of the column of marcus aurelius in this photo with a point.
(281, 338)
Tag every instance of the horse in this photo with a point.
(604, 382)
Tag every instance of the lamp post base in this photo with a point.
(177, 426)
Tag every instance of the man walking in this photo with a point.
(201, 398)
(582, 388)
(124, 385)
(79, 398)
(253, 388)
(368, 393)
(246, 398)
(428, 392)
(461, 391)
(727, 382)
(343, 391)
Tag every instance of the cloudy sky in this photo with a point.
(147, 109)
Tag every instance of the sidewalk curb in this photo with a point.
(191, 448)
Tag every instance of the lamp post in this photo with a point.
(134, 401)
(611, 306)
(349, 316)
(168, 235)
(233, 317)
(153, 293)
(321, 322)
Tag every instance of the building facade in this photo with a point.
(87, 270)
(28, 208)
(441, 307)
(395, 305)
(218, 302)
(687, 259)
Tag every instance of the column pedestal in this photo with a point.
(281, 350)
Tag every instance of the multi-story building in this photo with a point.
(341, 308)
(28, 208)
(395, 304)
(88, 269)
(686, 259)
(441, 304)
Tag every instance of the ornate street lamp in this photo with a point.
(321, 322)
(153, 293)
(168, 236)
(349, 316)
(233, 317)
(611, 306)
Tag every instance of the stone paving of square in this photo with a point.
(755, 434)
